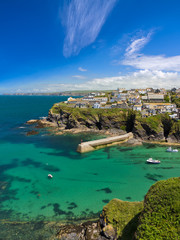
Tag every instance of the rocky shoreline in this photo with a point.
(97, 229)
(140, 136)
(41, 230)
(159, 128)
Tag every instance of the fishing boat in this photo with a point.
(150, 160)
(170, 149)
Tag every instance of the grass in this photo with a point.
(156, 218)
(123, 216)
(160, 218)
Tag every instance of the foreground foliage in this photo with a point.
(123, 216)
(160, 218)
(157, 218)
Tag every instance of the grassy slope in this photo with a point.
(157, 218)
(160, 218)
(123, 216)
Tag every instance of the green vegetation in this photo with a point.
(175, 129)
(123, 216)
(91, 114)
(154, 122)
(157, 218)
(175, 99)
(160, 218)
(166, 98)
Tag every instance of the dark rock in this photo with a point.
(109, 232)
(143, 131)
(84, 231)
(173, 138)
(92, 231)
(69, 232)
(33, 132)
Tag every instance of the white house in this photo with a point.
(96, 105)
(137, 107)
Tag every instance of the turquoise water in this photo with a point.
(82, 183)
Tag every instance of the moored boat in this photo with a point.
(170, 149)
(50, 175)
(150, 160)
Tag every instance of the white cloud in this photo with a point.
(154, 62)
(137, 44)
(138, 79)
(138, 60)
(82, 69)
(83, 21)
(79, 76)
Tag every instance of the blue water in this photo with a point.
(82, 183)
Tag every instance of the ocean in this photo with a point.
(82, 183)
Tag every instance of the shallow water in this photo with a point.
(82, 183)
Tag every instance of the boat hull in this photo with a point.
(153, 162)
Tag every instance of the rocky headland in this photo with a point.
(160, 128)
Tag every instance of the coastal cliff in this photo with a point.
(117, 121)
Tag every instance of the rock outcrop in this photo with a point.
(144, 131)
(155, 128)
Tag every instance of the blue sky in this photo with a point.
(48, 46)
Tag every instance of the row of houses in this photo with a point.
(148, 104)
(155, 108)
(140, 91)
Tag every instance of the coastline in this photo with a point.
(54, 129)
(162, 143)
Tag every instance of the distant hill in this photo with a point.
(65, 93)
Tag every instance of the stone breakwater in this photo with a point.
(96, 144)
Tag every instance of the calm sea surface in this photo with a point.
(82, 183)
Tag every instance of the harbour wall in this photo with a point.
(100, 143)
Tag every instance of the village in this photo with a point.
(148, 101)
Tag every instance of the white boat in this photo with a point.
(170, 149)
(150, 160)
(50, 175)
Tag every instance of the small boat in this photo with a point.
(50, 175)
(150, 160)
(170, 149)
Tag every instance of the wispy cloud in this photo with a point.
(137, 44)
(82, 69)
(134, 58)
(79, 77)
(83, 21)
